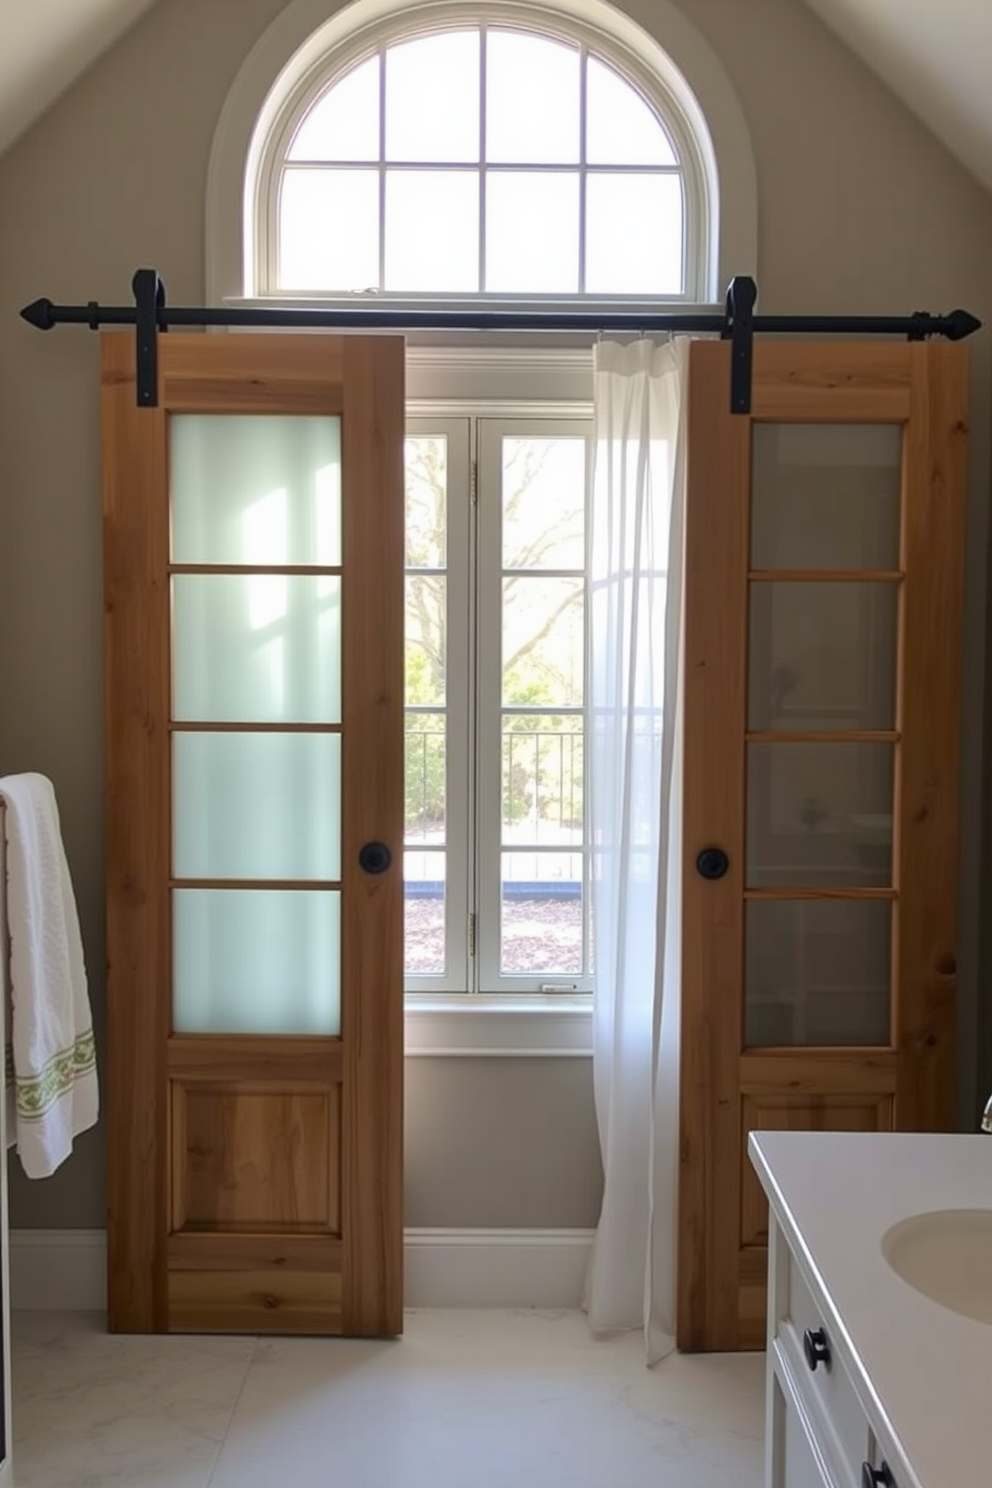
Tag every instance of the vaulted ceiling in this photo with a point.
(934, 54)
(45, 45)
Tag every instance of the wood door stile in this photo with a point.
(255, 1180)
(906, 1082)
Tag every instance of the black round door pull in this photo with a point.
(375, 857)
(875, 1477)
(712, 863)
(816, 1348)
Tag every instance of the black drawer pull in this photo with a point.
(816, 1348)
(875, 1477)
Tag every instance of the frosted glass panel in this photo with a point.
(822, 656)
(256, 961)
(819, 815)
(825, 495)
(250, 489)
(256, 648)
(257, 805)
(818, 972)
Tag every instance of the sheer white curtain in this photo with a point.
(637, 530)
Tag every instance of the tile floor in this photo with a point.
(467, 1399)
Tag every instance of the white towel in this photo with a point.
(50, 1027)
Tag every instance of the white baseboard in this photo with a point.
(66, 1270)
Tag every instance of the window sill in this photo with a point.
(464, 1025)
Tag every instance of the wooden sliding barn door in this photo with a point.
(254, 691)
(823, 635)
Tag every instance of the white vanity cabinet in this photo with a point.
(872, 1382)
(817, 1433)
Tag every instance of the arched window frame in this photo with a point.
(303, 50)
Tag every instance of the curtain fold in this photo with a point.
(637, 521)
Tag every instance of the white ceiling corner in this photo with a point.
(45, 45)
(936, 55)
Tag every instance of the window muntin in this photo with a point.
(479, 160)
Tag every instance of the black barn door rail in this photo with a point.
(150, 315)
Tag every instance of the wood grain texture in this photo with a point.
(849, 1072)
(258, 1158)
(254, 1302)
(826, 576)
(251, 373)
(925, 850)
(791, 1111)
(249, 1164)
(244, 1057)
(727, 1090)
(821, 382)
(201, 1251)
(752, 1283)
(717, 533)
(372, 926)
(136, 605)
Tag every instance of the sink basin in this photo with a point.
(947, 1255)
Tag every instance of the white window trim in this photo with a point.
(301, 37)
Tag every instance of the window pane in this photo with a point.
(532, 100)
(425, 777)
(256, 961)
(819, 815)
(541, 913)
(344, 123)
(424, 917)
(818, 972)
(825, 495)
(543, 641)
(426, 458)
(256, 648)
(822, 656)
(256, 805)
(544, 503)
(426, 637)
(432, 231)
(633, 234)
(432, 98)
(532, 232)
(329, 229)
(255, 489)
(621, 128)
(542, 779)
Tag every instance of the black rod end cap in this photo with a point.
(39, 314)
(961, 324)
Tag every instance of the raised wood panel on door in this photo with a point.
(255, 1182)
(907, 1084)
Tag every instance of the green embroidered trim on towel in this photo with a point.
(37, 1095)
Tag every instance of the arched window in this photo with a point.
(462, 150)
(481, 159)
(468, 153)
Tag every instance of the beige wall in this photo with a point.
(860, 210)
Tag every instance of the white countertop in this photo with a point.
(923, 1373)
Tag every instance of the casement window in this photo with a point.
(497, 846)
